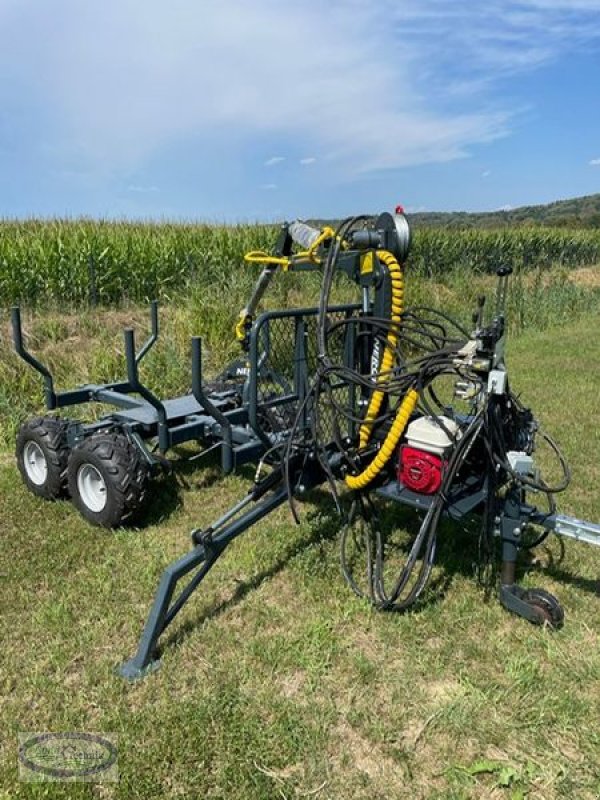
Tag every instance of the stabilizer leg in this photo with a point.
(204, 555)
(162, 612)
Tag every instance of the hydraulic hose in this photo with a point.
(387, 362)
(387, 448)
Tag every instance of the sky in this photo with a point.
(236, 110)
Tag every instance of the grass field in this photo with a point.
(276, 681)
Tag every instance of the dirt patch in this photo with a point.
(292, 684)
(406, 775)
(368, 643)
(367, 757)
(442, 691)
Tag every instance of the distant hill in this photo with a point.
(578, 212)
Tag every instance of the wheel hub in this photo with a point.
(92, 487)
(35, 463)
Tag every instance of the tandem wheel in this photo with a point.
(108, 478)
(42, 456)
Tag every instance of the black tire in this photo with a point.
(42, 456)
(548, 605)
(108, 478)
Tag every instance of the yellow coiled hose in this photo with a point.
(387, 448)
(387, 362)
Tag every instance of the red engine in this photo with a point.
(419, 470)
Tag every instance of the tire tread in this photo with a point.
(124, 465)
(51, 434)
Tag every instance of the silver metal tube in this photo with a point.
(578, 529)
(365, 300)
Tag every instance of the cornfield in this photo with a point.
(58, 262)
(435, 251)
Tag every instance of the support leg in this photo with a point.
(204, 555)
(162, 613)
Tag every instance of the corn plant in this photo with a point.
(72, 263)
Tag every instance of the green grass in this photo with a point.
(276, 681)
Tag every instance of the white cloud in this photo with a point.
(142, 189)
(595, 162)
(270, 162)
(308, 160)
(385, 88)
(268, 186)
(565, 5)
(486, 173)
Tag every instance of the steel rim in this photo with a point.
(36, 465)
(91, 487)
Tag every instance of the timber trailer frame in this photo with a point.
(326, 395)
(370, 416)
